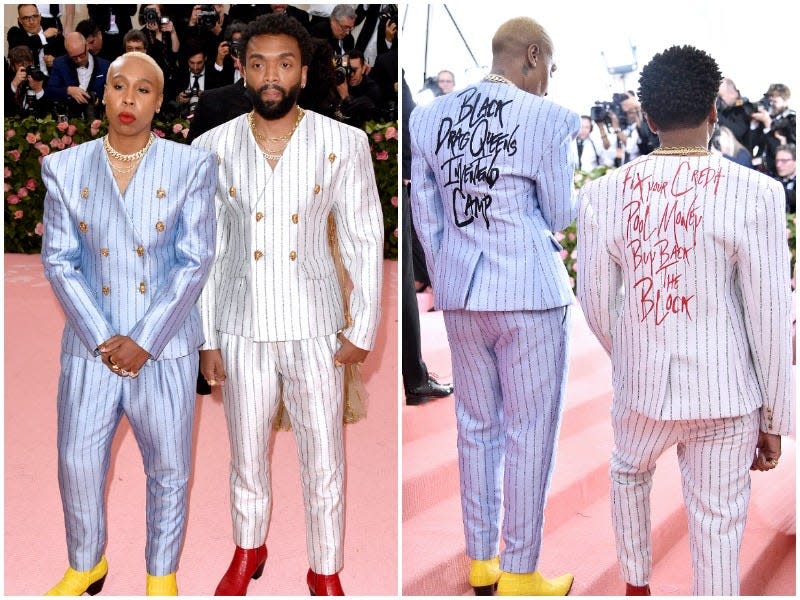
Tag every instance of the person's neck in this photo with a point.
(128, 144)
(506, 70)
(276, 127)
(686, 137)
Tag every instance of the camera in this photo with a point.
(389, 13)
(35, 73)
(236, 48)
(341, 69)
(164, 20)
(207, 18)
(150, 15)
(600, 112)
(92, 110)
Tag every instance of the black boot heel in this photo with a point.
(96, 586)
(485, 590)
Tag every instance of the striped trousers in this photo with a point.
(312, 390)
(509, 372)
(714, 457)
(159, 405)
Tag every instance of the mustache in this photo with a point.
(271, 86)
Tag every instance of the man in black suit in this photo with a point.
(114, 20)
(45, 44)
(195, 76)
(337, 30)
(78, 79)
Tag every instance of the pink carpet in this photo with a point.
(578, 537)
(35, 550)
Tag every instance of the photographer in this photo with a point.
(778, 127)
(207, 25)
(114, 20)
(636, 136)
(226, 64)
(194, 76)
(94, 37)
(163, 44)
(78, 79)
(25, 91)
(359, 93)
(734, 112)
(378, 35)
(45, 44)
(337, 29)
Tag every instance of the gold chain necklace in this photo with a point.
(117, 155)
(495, 78)
(262, 138)
(123, 169)
(681, 151)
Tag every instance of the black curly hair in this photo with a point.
(678, 87)
(276, 24)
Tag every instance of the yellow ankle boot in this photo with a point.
(162, 585)
(533, 584)
(75, 583)
(483, 575)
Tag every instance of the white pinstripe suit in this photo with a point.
(491, 181)
(684, 279)
(274, 305)
(132, 265)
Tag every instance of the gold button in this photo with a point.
(142, 288)
(331, 157)
(85, 193)
(160, 193)
(317, 188)
(292, 255)
(159, 226)
(83, 227)
(258, 254)
(104, 252)
(106, 290)
(259, 216)
(295, 218)
(140, 250)
(219, 159)
(232, 191)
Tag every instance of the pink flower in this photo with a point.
(43, 149)
(62, 126)
(30, 138)
(10, 133)
(394, 201)
(71, 130)
(391, 133)
(67, 140)
(14, 154)
(41, 159)
(55, 142)
(158, 132)
(22, 192)
(19, 214)
(384, 155)
(185, 133)
(94, 128)
(377, 136)
(571, 236)
(559, 236)
(12, 199)
(31, 184)
(6, 187)
(39, 229)
(574, 255)
(563, 254)
(6, 172)
(177, 128)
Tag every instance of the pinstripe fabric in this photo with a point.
(159, 404)
(507, 425)
(683, 273)
(714, 457)
(274, 306)
(312, 388)
(491, 181)
(275, 298)
(115, 270)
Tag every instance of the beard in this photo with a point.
(273, 109)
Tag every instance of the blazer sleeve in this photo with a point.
(557, 199)
(599, 288)
(61, 256)
(60, 80)
(359, 227)
(763, 263)
(427, 209)
(194, 252)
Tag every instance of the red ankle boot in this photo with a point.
(637, 590)
(246, 565)
(324, 585)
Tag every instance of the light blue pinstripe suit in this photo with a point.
(491, 181)
(134, 265)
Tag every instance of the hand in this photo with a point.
(391, 31)
(36, 86)
(762, 117)
(193, 18)
(212, 367)
(78, 94)
(348, 353)
(19, 77)
(167, 27)
(222, 51)
(49, 59)
(122, 352)
(343, 89)
(183, 98)
(50, 32)
(768, 451)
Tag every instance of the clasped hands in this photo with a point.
(213, 368)
(768, 451)
(123, 356)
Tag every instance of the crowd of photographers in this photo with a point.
(56, 67)
(761, 135)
